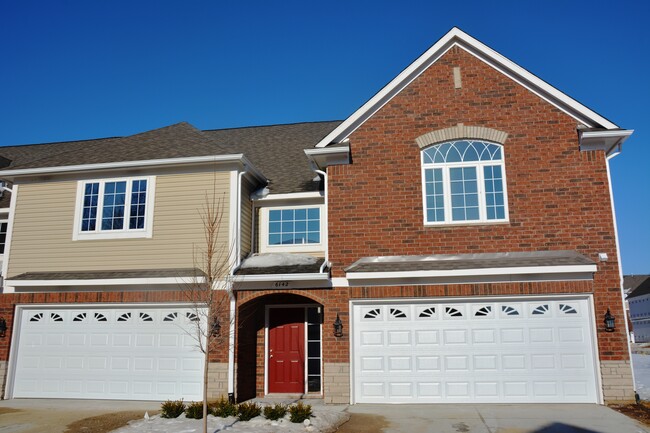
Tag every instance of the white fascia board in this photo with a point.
(456, 37)
(106, 282)
(282, 277)
(603, 140)
(473, 272)
(237, 157)
(290, 196)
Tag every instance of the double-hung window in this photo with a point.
(464, 182)
(114, 208)
(295, 228)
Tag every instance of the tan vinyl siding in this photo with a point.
(42, 234)
(246, 218)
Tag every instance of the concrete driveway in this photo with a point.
(53, 415)
(491, 418)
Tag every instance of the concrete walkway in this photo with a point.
(498, 418)
(53, 415)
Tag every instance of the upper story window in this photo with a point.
(114, 208)
(464, 182)
(294, 228)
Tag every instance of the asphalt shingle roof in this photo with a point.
(277, 150)
(639, 285)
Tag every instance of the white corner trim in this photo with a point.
(474, 272)
(10, 230)
(282, 277)
(456, 37)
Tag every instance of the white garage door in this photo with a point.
(135, 353)
(508, 352)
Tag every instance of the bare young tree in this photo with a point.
(209, 290)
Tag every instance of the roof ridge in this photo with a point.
(272, 125)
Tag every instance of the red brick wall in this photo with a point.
(219, 353)
(558, 196)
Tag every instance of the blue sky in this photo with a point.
(85, 69)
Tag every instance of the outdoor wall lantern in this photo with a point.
(338, 326)
(3, 327)
(216, 328)
(609, 321)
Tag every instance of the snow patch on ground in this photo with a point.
(325, 419)
(278, 259)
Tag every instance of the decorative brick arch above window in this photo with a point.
(460, 132)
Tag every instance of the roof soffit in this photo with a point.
(457, 38)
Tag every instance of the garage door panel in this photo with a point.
(483, 352)
(108, 354)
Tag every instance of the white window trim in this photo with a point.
(146, 232)
(301, 248)
(447, 193)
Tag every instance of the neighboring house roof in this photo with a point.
(276, 150)
(449, 262)
(636, 285)
(457, 38)
(105, 275)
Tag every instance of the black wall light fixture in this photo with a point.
(609, 322)
(216, 328)
(338, 326)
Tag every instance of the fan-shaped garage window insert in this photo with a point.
(80, 317)
(36, 317)
(396, 313)
(170, 317)
(567, 309)
(192, 317)
(144, 317)
(428, 312)
(540, 310)
(483, 311)
(125, 317)
(453, 312)
(509, 311)
(372, 314)
(464, 181)
(99, 317)
(56, 317)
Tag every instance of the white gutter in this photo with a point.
(237, 157)
(282, 277)
(326, 234)
(620, 268)
(474, 272)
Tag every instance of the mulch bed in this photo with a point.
(640, 412)
(104, 423)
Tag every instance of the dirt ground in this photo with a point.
(361, 423)
(104, 423)
(640, 412)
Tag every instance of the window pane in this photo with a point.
(275, 215)
(89, 211)
(287, 215)
(464, 196)
(313, 383)
(275, 228)
(113, 209)
(494, 201)
(313, 333)
(313, 213)
(434, 195)
(3, 237)
(301, 214)
(275, 239)
(313, 349)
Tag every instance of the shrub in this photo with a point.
(300, 412)
(248, 411)
(223, 408)
(275, 412)
(194, 410)
(172, 408)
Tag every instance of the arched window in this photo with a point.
(464, 181)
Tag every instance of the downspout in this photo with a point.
(233, 299)
(620, 264)
(326, 262)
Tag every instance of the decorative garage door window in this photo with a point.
(509, 351)
(96, 316)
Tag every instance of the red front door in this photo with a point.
(286, 350)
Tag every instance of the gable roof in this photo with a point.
(638, 285)
(456, 37)
(277, 151)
